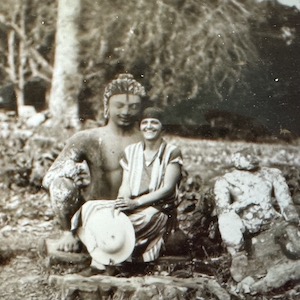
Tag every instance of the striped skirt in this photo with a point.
(149, 223)
(150, 226)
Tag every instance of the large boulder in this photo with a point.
(273, 259)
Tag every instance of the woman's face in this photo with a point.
(151, 129)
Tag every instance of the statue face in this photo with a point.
(124, 109)
(151, 128)
(245, 161)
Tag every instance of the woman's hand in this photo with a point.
(123, 204)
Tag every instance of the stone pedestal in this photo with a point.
(146, 287)
(47, 249)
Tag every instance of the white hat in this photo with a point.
(108, 235)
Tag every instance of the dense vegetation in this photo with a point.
(193, 56)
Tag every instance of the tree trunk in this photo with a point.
(10, 56)
(66, 80)
(22, 59)
(17, 54)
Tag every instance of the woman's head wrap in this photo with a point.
(153, 113)
(124, 84)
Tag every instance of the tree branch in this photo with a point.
(35, 71)
(33, 52)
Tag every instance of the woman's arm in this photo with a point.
(124, 201)
(172, 176)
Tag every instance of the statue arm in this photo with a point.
(222, 195)
(69, 164)
(283, 197)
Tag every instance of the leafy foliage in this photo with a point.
(178, 47)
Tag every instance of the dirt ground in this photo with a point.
(26, 219)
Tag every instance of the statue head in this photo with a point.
(245, 160)
(123, 84)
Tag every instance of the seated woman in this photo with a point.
(151, 174)
(147, 195)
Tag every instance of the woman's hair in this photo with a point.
(153, 113)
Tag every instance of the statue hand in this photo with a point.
(78, 172)
(291, 214)
(240, 206)
(236, 206)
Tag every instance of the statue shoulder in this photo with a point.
(233, 174)
(270, 171)
(88, 135)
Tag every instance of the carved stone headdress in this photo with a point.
(124, 84)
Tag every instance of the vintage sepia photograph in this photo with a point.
(150, 149)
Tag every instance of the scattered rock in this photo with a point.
(26, 111)
(277, 276)
(36, 120)
(239, 266)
